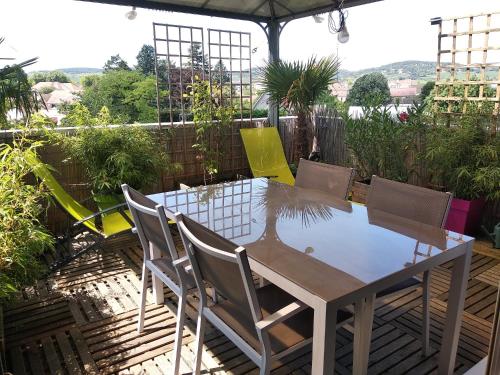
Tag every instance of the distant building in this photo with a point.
(404, 90)
(340, 90)
(62, 93)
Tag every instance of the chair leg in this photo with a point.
(426, 313)
(179, 328)
(142, 300)
(265, 367)
(200, 333)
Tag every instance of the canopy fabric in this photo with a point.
(251, 10)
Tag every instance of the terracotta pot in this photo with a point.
(465, 216)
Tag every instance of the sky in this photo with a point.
(68, 33)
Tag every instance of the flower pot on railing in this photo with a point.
(465, 216)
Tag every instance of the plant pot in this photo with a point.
(465, 216)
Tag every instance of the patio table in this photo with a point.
(329, 254)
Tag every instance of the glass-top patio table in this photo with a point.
(329, 253)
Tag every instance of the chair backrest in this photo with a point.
(328, 178)
(151, 223)
(222, 264)
(412, 202)
(265, 154)
(66, 201)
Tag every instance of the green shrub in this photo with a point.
(465, 158)
(379, 143)
(22, 237)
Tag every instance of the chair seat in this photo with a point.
(114, 223)
(410, 283)
(292, 331)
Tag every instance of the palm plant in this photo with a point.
(297, 86)
(15, 90)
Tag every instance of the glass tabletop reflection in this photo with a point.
(304, 231)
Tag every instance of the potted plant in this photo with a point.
(113, 155)
(297, 87)
(464, 158)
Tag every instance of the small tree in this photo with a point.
(115, 62)
(199, 62)
(367, 87)
(297, 86)
(54, 76)
(426, 90)
(146, 60)
(220, 74)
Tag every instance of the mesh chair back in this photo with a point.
(328, 178)
(412, 202)
(265, 154)
(147, 222)
(215, 262)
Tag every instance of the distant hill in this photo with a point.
(74, 73)
(411, 69)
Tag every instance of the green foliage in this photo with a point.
(220, 74)
(465, 158)
(198, 61)
(115, 62)
(426, 90)
(129, 95)
(211, 122)
(379, 143)
(330, 101)
(114, 155)
(367, 87)
(53, 76)
(22, 237)
(15, 91)
(297, 87)
(146, 60)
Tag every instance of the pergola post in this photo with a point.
(273, 40)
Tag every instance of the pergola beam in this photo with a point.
(204, 11)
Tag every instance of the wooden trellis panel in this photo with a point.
(468, 62)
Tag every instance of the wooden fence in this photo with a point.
(178, 141)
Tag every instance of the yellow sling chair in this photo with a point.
(265, 154)
(102, 225)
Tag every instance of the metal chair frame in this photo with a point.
(425, 282)
(262, 325)
(152, 263)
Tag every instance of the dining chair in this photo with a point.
(329, 178)
(419, 204)
(160, 258)
(265, 154)
(265, 323)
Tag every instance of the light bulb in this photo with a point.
(317, 18)
(131, 14)
(343, 35)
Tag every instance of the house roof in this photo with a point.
(250, 10)
(403, 91)
(69, 87)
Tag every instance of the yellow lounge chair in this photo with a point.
(265, 154)
(103, 224)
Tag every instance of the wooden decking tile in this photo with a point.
(83, 320)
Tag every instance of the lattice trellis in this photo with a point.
(231, 68)
(468, 62)
(180, 57)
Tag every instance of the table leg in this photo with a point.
(456, 299)
(363, 323)
(324, 335)
(155, 253)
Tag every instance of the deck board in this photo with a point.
(83, 319)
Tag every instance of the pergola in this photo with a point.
(270, 15)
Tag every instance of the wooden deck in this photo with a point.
(83, 320)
